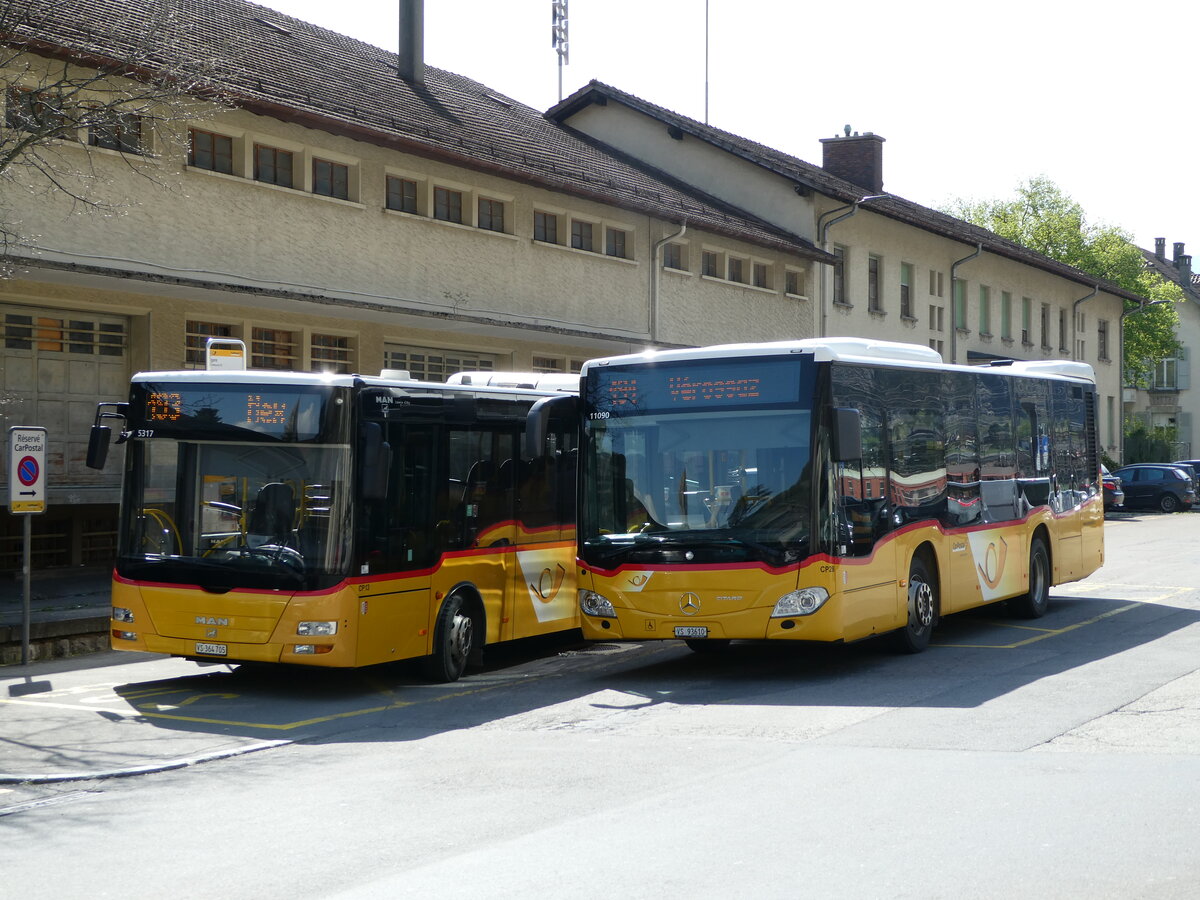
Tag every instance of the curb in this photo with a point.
(60, 777)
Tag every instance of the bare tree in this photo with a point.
(72, 85)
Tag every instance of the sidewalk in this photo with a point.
(69, 611)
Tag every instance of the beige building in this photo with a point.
(901, 271)
(336, 214)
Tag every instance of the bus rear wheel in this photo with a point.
(1034, 604)
(922, 609)
(453, 641)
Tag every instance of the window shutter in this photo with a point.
(1183, 375)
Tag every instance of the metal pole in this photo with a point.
(25, 616)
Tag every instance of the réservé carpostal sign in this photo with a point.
(26, 469)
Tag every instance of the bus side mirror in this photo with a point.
(97, 451)
(98, 437)
(537, 422)
(375, 461)
(846, 432)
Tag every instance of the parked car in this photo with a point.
(1113, 495)
(1192, 467)
(1156, 486)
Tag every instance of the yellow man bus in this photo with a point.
(340, 520)
(829, 490)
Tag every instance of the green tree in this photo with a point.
(1045, 219)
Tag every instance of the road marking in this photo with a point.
(1042, 633)
(147, 710)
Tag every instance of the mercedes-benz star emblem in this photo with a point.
(689, 604)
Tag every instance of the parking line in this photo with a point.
(1043, 633)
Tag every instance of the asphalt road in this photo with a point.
(1054, 758)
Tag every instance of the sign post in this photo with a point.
(26, 496)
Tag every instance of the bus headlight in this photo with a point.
(324, 629)
(121, 614)
(594, 604)
(803, 602)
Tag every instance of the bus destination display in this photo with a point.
(696, 384)
(277, 412)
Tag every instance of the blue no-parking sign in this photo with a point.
(26, 469)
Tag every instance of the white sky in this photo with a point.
(972, 97)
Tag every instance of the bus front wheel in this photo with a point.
(922, 609)
(1034, 604)
(453, 641)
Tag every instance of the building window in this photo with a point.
(960, 304)
(95, 338)
(331, 353)
(447, 205)
(331, 179)
(936, 284)
(1062, 330)
(491, 214)
(839, 276)
(1026, 321)
(548, 365)
(18, 332)
(1102, 339)
(874, 301)
(197, 337)
(614, 243)
(581, 235)
(272, 348)
(673, 257)
(762, 275)
(710, 264)
(1045, 326)
(1006, 315)
(736, 270)
(402, 194)
(1165, 375)
(937, 320)
(906, 276)
(428, 364)
(28, 110)
(791, 282)
(985, 310)
(213, 152)
(545, 227)
(118, 131)
(272, 165)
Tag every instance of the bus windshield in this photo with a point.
(709, 486)
(237, 514)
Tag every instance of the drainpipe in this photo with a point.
(1075, 322)
(654, 276)
(954, 301)
(822, 231)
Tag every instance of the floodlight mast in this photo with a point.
(559, 38)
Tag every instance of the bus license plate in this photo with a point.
(212, 649)
(691, 631)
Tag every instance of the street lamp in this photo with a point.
(1140, 308)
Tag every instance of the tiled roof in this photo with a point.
(283, 67)
(1168, 270)
(817, 179)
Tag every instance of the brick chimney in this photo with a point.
(1178, 246)
(1160, 248)
(1184, 265)
(857, 158)
(412, 41)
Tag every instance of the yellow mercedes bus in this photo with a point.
(829, 490)
(340, 520)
